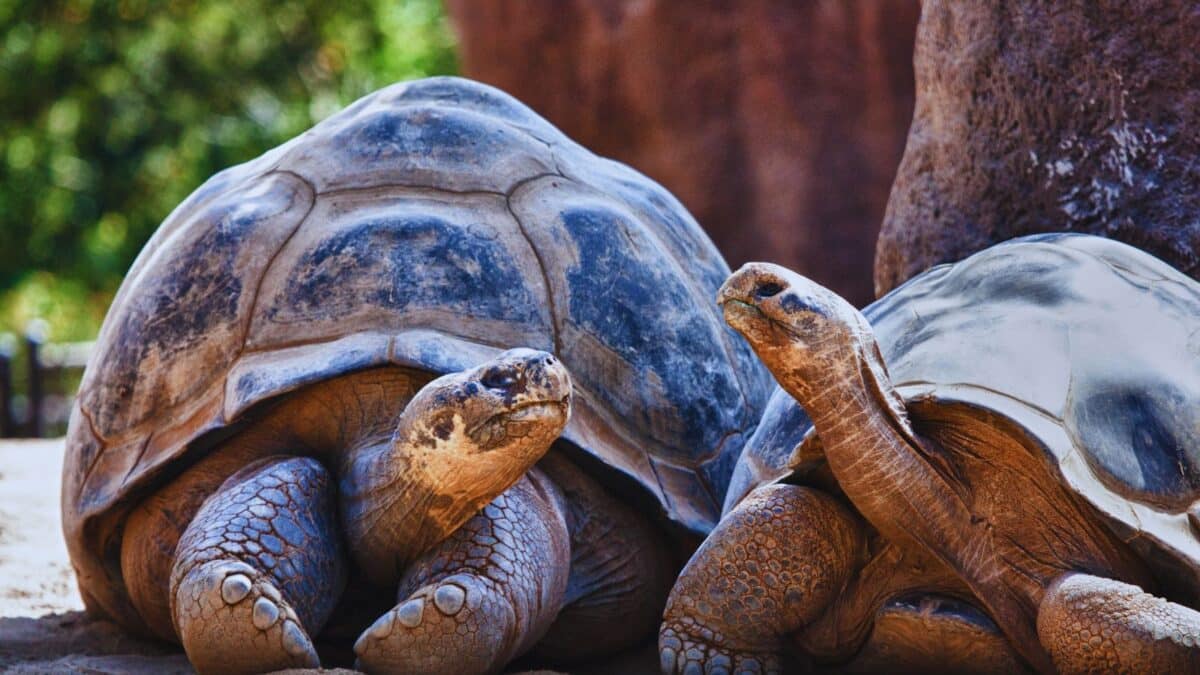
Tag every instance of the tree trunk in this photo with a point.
(1044, 116)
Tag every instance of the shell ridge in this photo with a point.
(334, 192)
(271, 261)
(934, 387)
(555, 332)
(137, 462)
(87, 418)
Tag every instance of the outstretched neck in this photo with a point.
(875, 455)
(900, 484)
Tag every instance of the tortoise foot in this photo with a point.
(482, 597)
(682, 651)
(461, 624)
(233, 620)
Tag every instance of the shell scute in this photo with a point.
(642, 339)
(401, 260)
(189, 305)
(419, 145)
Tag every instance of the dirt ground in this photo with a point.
(42, 627)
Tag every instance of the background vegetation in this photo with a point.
(113, 111)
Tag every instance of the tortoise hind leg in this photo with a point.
(259, 569)
(621, 572)
(1092, 624)
(483, 596)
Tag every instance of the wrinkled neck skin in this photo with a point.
(892, 477)
(404, 493)
(875, 455)
(870, 445)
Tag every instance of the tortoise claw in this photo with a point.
(681, 652)
(232, 620)
(461, 624)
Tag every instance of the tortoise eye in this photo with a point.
(768, 289)
(499, 378)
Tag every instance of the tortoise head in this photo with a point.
(793, 323)
(477, 431)
(810, 339)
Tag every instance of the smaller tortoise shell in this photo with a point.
(1090, 346)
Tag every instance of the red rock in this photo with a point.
(1040, 116)
(778, 123)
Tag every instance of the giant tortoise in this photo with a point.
(1021, 433)
(263, 415)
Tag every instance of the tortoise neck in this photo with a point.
(382, 506)
(875, 455)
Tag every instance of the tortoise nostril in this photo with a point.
(768, 289)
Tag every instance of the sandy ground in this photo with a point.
(33, 558)
(42, 627)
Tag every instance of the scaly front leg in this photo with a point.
(482, 597)
(1090, 624)
(771, 566)
(259, 569)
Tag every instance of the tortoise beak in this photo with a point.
(742, 315)
(736, 288)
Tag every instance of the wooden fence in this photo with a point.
(38, 379)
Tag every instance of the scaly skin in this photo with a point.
(1091, 625)
(481, 597)
(772, 565)
(620, 572)
(259, 569)
(529, 567)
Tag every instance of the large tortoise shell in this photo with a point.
(430, 224)
(1091, 346)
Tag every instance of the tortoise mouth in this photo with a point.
(527, 412)
(746, 316)
(749, 319)
(737, 310)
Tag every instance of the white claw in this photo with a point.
(265, 614)
(410, 612)
(234, 588)
(383, 627)
(294, 641)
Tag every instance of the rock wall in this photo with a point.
(1049, 115)
(778, 123)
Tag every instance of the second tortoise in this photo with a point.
(1020, 432)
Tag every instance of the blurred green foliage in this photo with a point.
(113, 111)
